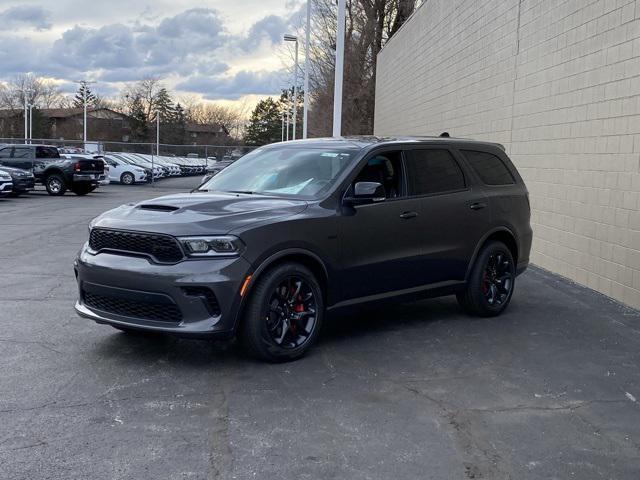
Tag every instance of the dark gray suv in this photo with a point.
(294, 230)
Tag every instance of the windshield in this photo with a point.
(290, 171)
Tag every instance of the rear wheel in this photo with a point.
(284, 314)
(55, 185)
(127, 178)
(491, 282)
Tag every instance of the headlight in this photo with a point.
(219, 246)
(5, 178)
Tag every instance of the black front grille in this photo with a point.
(163, 248)
(161, 312)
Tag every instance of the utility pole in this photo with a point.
(337, 96)
(306, 71)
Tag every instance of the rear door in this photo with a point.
(455, 211)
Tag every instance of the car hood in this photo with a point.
(198, 213)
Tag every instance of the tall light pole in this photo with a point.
(288, 112)
(26, 93)
(30, 123)
(293, 38)
(84, 84)
(306, 71)
(26, 118)
(282, 140)
(337, 91)
(157, 144)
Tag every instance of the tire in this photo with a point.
(82, 188)
(55, 185)
(127, 178)
(15, 194)
(284, 287)
(491, 282)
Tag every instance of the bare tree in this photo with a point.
(370, 24)
(40, 92)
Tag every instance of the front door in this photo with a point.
(380, 242)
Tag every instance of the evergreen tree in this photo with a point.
(164, 104)
(78, 100)
(139, 126)
(265, 125)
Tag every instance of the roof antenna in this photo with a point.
(445, 135)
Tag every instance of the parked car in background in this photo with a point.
(6, 184)
(23, 180)
(216, 168)
(295, 229)
(123, 172)
(80, 175)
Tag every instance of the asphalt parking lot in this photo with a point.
(417, 391)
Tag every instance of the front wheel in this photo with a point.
(491, 282)
(284, 314)
(127, 178)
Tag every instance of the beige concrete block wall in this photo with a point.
(558, 83)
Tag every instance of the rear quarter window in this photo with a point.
(490, 168)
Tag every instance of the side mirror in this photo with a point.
(365, 192)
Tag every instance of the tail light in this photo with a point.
(77, 167)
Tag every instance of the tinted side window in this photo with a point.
(490, 169)
(47, 152)
(5, 152)
(21, 152)
(433, 171)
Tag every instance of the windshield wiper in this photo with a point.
(247, 192)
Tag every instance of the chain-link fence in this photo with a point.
(207, 154)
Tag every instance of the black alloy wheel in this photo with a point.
(491, 282)
(283, 315)
(292, 313)
(497, 280)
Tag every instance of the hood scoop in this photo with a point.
(159, 208)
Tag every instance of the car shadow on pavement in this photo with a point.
(340, 330)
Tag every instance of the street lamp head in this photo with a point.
(290, 38)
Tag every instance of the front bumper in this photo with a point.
(136, 290)
(23, 184)
(6, 187)
(86, 177)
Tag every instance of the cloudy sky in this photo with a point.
(223, 50)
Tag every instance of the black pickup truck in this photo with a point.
(57, 174)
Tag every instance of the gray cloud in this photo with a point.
(234, 86)
(31, 15)
(271, 28)
(193, 45)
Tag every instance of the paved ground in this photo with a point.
(414, 391)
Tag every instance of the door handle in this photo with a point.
(477, 206)
(408, 215)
